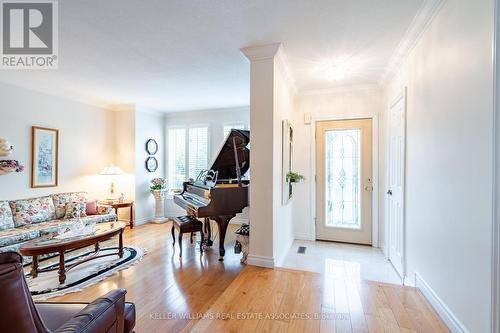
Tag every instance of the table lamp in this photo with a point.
(112, 170)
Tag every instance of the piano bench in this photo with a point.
(185, 224)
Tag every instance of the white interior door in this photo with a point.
(344, 181)
(395, 192)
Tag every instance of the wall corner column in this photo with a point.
(262, 111)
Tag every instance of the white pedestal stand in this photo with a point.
(159, 196)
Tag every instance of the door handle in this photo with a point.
(389, 192)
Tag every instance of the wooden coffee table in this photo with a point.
(49, 244)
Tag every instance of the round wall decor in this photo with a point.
(151, 146)
(151, 164)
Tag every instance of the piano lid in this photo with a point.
(225, 162)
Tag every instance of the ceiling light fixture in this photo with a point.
(338, 69)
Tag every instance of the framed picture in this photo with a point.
(44, 156)
(151, 146)
(151, 164)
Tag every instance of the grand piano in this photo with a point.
(220, 192)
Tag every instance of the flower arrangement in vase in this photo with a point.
(7, 166)
(158, 184)
(158, 188)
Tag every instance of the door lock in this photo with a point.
(389, 192)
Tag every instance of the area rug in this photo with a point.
(46, 285)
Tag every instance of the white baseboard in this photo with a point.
(260, 261)
(143, 220)
(409, 280)
(384, 249)
(284, 252)
(439, 306)
(303, 236)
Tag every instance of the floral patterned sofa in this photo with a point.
(26, 219)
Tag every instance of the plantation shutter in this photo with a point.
(198, 150)
(176, 157)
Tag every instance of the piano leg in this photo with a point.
(208, 230)
(222, 222)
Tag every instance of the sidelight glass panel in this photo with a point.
(343, 178)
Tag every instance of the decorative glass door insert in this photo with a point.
(343, 178)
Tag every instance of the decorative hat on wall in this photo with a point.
(5, 148)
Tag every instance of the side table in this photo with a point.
(125, 204)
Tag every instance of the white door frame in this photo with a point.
(375, 194)
(401, 96)
(495, 260)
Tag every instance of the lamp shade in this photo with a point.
(111, 170)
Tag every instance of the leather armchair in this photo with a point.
(20, 314)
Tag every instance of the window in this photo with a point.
(176, 157)
(229, 127)
(198, 150)
(187, 154)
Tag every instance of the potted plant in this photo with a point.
(294, 177)
(158, 188)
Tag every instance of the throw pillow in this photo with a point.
(6, 221)
(72, 209)
(91, 207)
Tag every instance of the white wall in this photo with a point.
(283, 109)
(323, 105)
(90, 138)
(124, 147)
(261, 252)
(215, 120)
(449, 159)
(271, 101)
(134, 125)
(86, 141)
(148, 125)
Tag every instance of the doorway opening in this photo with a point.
(345, 164)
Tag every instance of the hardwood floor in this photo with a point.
(205, 295)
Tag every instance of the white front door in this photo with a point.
(344, 181)
(395, 192)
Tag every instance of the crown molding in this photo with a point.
(272, 51)
(413, 34)
(282, 65)
(495, 260)
(261, 52)
(236, 108)
(122, 107)
(64, 95)
(147, 110)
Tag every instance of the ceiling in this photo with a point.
(184, 55)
